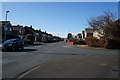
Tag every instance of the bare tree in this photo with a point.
(102, 21)
(113, 30)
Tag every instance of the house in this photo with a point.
(83, 34)
(88, 32)
(50, 37)
(44, 37)
(78, 36)
(30, 30)
(39, 35)
(19, 30)
(6, 28)
(36, 33)
(98, 33)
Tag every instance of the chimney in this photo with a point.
(31, 26)
(18, 25)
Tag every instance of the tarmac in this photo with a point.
(89, 66)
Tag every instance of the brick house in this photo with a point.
(6, 28)
(31, 30)
(19, 30)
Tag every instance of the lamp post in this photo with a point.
(6, 14)
(5, 24)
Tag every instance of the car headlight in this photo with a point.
(10, 44)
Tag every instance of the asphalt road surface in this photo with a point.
(51, 58)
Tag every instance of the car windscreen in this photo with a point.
(8, 42)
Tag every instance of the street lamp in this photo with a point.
(5, 25)
(6, 14)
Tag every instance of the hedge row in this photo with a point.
(113, 43)
(92, 42)
(108, 43)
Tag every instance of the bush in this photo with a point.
(112, 43)
(102, 42)
(108, 43)
(92, 42)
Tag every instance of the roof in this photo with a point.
(33, 30)
(17, 25)
(90, 30)
(5, 23)
(30, 28)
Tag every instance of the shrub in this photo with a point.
(92, 42)
(112, 43)
(102, 42)
(109, 43)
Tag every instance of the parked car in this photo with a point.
(54, 39)
(81, 42)
(13, 44)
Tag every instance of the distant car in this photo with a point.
(13, 44)
(54, 40)
(81, 42)
(66, 40)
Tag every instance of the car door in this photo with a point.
(15, 44)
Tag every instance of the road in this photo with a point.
(16, 63)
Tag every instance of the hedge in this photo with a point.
(108, 43)
(112, 43)
(92, 42)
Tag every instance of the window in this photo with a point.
(20, 31)
(10, 29)
(6, 28)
